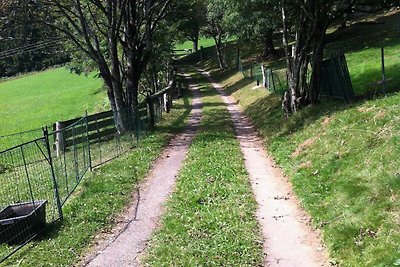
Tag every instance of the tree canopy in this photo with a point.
(130, 43)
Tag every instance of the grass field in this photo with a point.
(99, 199)
(40, 99)
(203, 41)
(210, 219)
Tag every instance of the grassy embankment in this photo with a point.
(343, 160)
(99, 199)
(210, 217)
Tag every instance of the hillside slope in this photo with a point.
(343, 160)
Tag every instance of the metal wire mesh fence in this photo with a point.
(70, 156)
(28, 194)
(274, 80)
(38, 176)
(12, 140)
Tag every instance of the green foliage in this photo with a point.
(251, 19)
(25, 44)
(210, 219)
(189, 18)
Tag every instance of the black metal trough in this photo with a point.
(20, 222)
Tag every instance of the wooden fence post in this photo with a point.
(60, 140)
(169, 101)
(150, 105)
(383, 70)
(165, 101)
(179, 89)
(265, 80)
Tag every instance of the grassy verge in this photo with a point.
(344, 164)
(210, 218)
(101, 196)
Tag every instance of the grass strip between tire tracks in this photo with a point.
(210, 219)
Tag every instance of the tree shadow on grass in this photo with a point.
(364, 35)
(267, 115)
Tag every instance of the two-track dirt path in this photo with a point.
(143, 216)
(289, 239)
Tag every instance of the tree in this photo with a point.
(215, 28)
(26, 45)
(189, 17)
(307, 21)
(117, 35)
(254, 20)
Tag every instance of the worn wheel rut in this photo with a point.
(142, 218)
(288, 237)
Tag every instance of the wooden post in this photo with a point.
(264, 74)
(150, 105)
(165, 101)
(179, 89)
(169, 101)
(383, 70)
(238, 58)
(272, 80)
(201, 53)
(60, 142)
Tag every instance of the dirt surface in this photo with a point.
(131, 236)
(288, 237)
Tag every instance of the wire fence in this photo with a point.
(12, 140)
(274, 80)
(38, 176)
(28, 194)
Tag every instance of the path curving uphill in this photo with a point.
(288, 238)
(142, 218)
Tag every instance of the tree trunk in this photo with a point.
(289, 102)
(269, 47)
(318, 56)
(307, 48)
(220, 52)
(196, 44)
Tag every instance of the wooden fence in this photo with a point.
(103, 126)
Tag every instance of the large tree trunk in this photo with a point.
(196, 43)
(132, 88)
(308, 47)
(289, 103)
(318, 56)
